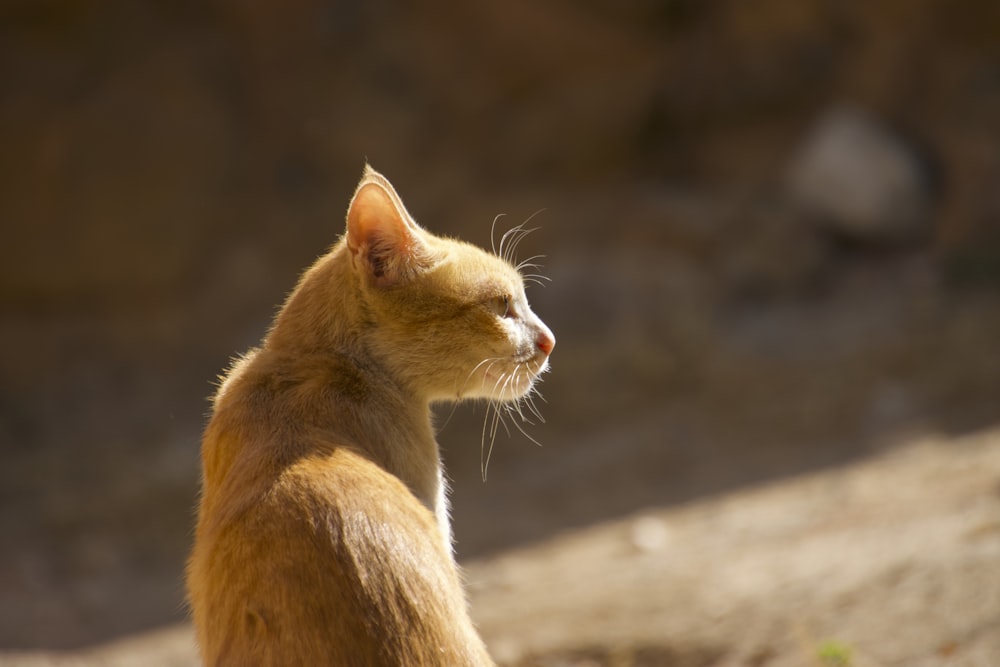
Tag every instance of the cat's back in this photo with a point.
(309, 553)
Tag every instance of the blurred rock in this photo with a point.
(770, 255)
(649, 534)
(856, 176)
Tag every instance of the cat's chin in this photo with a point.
(512, 385)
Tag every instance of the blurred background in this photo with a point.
(773, 236)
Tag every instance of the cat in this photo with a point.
(323, 533)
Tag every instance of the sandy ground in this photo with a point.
(892, 559)
(889, 561)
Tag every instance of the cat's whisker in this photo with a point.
(504, 239)
(488, 360)
(536, 276)
(516, 405)
(509, 380)
(532, 216)
(513, 237)
(516, 239)
(499, 385)
(503, 422)
(522, 410)
(523, 232)
(484, 361)
(454, 407)
(493, 433)
(497, 420)
(507, 240)
(482, 442)
(530, 263)
(520, 413)
(529, 401)
(486, 454)
(525, 433)
(493, 228)
(526, 402)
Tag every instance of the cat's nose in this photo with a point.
(545, 342)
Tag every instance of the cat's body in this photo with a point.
(323, 534)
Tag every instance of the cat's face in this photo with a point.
(487, 326)
(451, 319)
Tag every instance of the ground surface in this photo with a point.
(891, 561)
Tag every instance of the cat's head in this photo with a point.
(450, 319)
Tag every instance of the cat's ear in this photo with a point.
(384, 241)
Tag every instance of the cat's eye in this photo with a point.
(501, 305)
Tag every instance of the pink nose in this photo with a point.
(545, 342)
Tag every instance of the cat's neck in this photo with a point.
(318, 345)
(323, 313)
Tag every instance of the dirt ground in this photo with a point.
(889, 561)
(892, 561)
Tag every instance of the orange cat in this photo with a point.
(323, 532)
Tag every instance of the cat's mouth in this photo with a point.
(516, 378)
(524, 358)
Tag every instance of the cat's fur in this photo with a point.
(323, 534)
